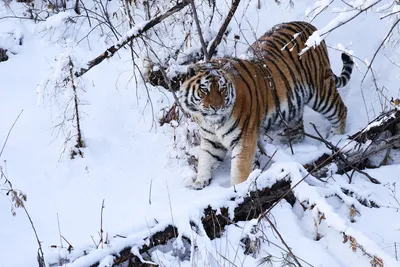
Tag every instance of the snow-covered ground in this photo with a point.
(131, 162)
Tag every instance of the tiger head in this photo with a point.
(208, 92)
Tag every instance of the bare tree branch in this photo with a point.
(196, 19)
(222, 30)
(114, 48)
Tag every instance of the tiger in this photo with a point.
(235, 101)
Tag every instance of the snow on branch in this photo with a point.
(135, 32)
(344, 17)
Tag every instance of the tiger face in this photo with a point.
(209, 94)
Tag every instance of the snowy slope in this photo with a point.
(130, 161)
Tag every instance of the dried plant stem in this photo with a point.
(9, 132)
(101, 225)
(283, 241)
(79, 140)
(59, 231)
(40, 255)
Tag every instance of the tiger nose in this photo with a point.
(215, 107)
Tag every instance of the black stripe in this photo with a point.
(239, 136)
(333, 102)
(288, 88)
(207, 131)
(233, 127)
(243, 65)
(214, 156)
(215, 145)
(236, 140)
(347, 69)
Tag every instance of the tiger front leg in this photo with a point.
(211, 155)
(242, 158)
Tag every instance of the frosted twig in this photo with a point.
(322, 33)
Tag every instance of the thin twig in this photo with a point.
(170, 208)
(151, 183)
(340, 24)
(9, 132)
(379, 48)
(265, 166)
(114, 48)
(164, 74)
(199, 31)
(350, 19)
(283, 241)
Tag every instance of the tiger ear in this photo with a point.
(191, 71)
(228, 66)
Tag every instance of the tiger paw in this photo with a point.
(198, 184)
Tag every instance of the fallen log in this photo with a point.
(157, 239)
(387, 121)
(213, 222)
(381, 134)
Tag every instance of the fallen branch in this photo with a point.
(157, 239)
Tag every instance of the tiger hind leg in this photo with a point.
(329, 103)
(293, 133)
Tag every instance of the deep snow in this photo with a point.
(130, 161)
